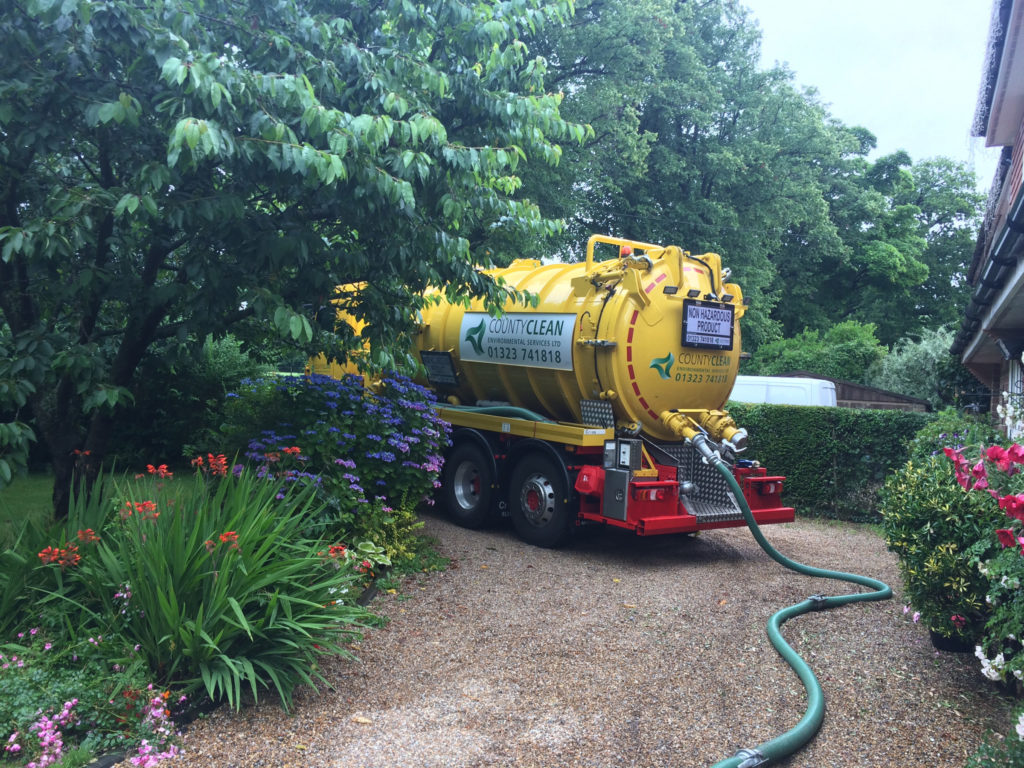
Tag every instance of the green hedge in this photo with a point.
(834, 459)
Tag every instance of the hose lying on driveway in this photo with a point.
(804, 731)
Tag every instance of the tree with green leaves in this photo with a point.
(694, 143)
(923, 368)
(848, 351)
(171, 169)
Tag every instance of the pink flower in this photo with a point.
(916, 617)
(1016, 453)
(1006, 537)
(1013, 505)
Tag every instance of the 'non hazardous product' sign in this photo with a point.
(707, 326)
(530, 339)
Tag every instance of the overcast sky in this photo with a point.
(907, 70)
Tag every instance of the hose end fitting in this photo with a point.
(752, 758)
(818, 602)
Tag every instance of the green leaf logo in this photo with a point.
(475, 336)
(663, 365)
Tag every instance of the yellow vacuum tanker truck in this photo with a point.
(599, 403)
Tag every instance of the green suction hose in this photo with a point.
(804, 731)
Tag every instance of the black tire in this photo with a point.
(538, 502)
(467, 484)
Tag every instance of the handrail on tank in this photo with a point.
(620, 241)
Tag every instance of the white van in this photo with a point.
(783, 390)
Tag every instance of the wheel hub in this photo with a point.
(466, 485)
(537, 499)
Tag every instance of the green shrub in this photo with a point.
(934, 527)
(999, 752)
(376, 453)
(834, 459)
(951, 428)
(994, 476)
(97, 679)
(179, 405)
(214, 581)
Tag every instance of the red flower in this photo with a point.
(336, 550)
(294, 450)
(49, 555)
(160, 471)
(229, 536)
(209, 545)
(958, 621)
(197, 461)
(1006, 537)
(88, 535)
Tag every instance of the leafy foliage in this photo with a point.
(375, 453)
(39, 676)
(844, 351)
(173, 170)
(932, 525)
(924, 368)
(218, 587)
(834, 459)
(179, 405)
(950, 428)
(999, 752)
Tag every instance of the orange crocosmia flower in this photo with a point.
(294, 450)
(88, 535)
(229, 536)
(218, 464)
(49, 555)
(69, 557)
(197, 461)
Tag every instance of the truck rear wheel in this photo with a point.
(466, 486)
(538, 503)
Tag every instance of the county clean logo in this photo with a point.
(663, 365)
(475, 336)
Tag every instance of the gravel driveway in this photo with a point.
(623, 651)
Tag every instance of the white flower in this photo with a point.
(980, 653)
(1020, 727)
(1018, 674)
(989, 672)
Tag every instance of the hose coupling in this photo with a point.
(751, 758)
(705, 448)
(818, 602)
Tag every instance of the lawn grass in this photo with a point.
(26, 498)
